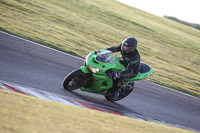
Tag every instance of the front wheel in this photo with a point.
(76, 79)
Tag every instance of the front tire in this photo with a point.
(75, 80)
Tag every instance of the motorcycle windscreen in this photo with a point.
(106, 57)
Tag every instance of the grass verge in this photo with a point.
(21, 114)
(80, 26)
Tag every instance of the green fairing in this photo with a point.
(142, 75)
(85, 69)
(101, 81)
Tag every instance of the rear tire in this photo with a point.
(123, 92)
(75, 80)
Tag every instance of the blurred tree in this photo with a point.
(196, 26)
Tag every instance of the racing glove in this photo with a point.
(115, 75)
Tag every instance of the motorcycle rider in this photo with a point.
(130, 58)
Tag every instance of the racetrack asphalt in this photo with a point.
(30, 64)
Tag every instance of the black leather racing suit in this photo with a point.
(130, 60)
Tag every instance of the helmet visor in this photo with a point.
(128, 49)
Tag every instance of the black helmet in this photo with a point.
(129, 45)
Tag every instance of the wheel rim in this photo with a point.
(124, 91)
(77, 82)
(73, 84)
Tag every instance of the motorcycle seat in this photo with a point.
(144, 68)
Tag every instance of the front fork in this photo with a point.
(101, 83)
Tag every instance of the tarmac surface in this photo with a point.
(33, 65)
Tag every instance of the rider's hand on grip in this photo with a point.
(115, 75)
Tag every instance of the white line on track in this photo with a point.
(172, 89)
(40, 45)
(83, 59)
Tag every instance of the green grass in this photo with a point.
(21, 114)
(80, 26)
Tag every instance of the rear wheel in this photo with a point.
(76, 79)
(121, 93)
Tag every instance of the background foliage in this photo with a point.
(197, 26)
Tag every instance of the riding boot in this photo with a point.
(116, 89)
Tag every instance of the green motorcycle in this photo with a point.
(95, 76)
